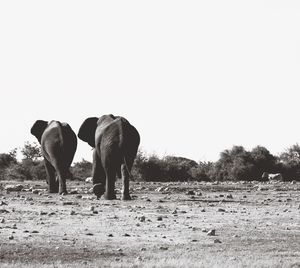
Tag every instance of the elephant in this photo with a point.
(115, 142)
(58, 144)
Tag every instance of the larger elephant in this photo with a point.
(58, 143)
(115, 142)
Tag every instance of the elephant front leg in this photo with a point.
(125, 179)
(51, 180)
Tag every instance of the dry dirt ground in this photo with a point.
(165, 225)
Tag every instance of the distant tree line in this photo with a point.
(234, 164)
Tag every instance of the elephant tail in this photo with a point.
(61, 134)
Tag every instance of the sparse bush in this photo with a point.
(290, 163)
(18, 172)
(239, 164)
(81, 170)
(202, 171)
(6, 161)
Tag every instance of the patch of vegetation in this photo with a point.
(234, 164)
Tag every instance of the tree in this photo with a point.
(31, 151)
(290, 163)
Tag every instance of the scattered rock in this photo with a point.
(43, 213)
(221, 210)
(110, 235)
(159, 218)
(217, 241)
(74, 191)
(229, 196)
(88, 233)
(14, 188)
(163, 248)
(34, 232)
(11, 237)
(4, 211)
(69, 203)
(127, 235)
(142, 218)
(211, 232)
(143, 249)
(89, 180)
(72, 212)
(190, 192)
(35, 191)
(3, 203)
(2, 220)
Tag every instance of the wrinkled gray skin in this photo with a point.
(115, 142)
(58, 143)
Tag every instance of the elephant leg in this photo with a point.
(52, 182)
(110, 184)
(98, 176)
(62, 176)
(125, 179)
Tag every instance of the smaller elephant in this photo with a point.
(58, 143)
(115, 142)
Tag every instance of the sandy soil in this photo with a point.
(165, 225)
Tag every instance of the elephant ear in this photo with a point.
(38, 129)
(87, 131)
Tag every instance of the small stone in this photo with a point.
(14, 188)
(221, 210)
(110, 235)
(88, 233)
(211, 232)
(163, 248)
(43, 213)
(217, 241)
(35, 191)
(34, 232)
(159, 218)
(143, 249)
(139, 258)
(127, 235)
(142, 218)
(203, 210)
(72, 212)
(2, 220)
(190, 192)
(229, 196)
(203, 230)
(3, 203)
(119, 249)
(92, 208)
(11, 237)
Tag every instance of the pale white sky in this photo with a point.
(194, 77)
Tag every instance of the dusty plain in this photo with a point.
(192, 224)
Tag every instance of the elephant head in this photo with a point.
(87, 130)
(38, 129)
